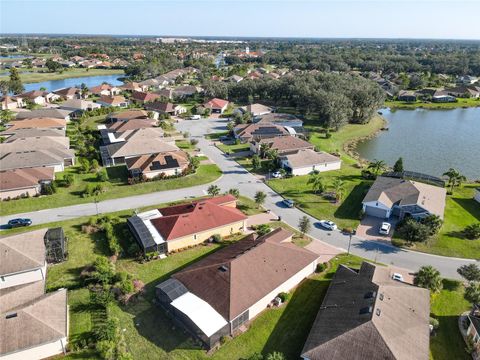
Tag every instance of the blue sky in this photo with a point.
(281, 18)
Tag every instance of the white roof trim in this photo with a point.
(200, 312)
(146, 217)
(290, 130)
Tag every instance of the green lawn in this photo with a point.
(185, 145)
(460, 210)
(446, 307)
(39, 76)
(432, 106)
(116, 187)
(233, 148)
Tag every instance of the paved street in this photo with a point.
(235, 176)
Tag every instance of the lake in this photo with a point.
(430, 141)
(90, 81)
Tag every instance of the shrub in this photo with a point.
(472, 232)
(413, 231)
(284, 296)
(106, 349)
(263, 229)
(104, 270)
(194, 142)
(321, 267)
(102, 175)
(68, 180)
(217, 238)
(107, 330)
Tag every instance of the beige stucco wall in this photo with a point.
(170, 172)
(39, 352)
(190, 240)
(14, 193)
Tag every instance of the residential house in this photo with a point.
(35, 97)
(390, 196)
(133, 124)
(464, 91)
(135, 143)
(133, 86)
(407, 96)
(367, 315)
(217, 106)
(78, 106)
(185, 91)
(37, 123)
(56, 158)
(34, 143)
(165, 93)
(68, 93)
(44, 113)
(33, 325)
(283, 144)
(254, 110)
(24, 182)
(127, 115)
(151, 84)
(11, 102)
(105, 89)
(248, 132)
(286, 120)
(166, 108)
(115, 101)
(144, 97)
(180, 226)
(158, 165)
(306, 161)
(466, 79)
(220, 294)
(8, 135)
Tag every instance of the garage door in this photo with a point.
(374, 211)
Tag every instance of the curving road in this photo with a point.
(235, 176)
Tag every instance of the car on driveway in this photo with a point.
(19, 222)
(327, 224)
(289, 203)
(397, 277)
(277, 174)
(385, 228)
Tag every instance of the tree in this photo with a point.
(263, 151)
(256, 162)
(193, 162)
(377, 166)
(4, 88)
(472, 231)
(52, 66)
(398, 166)
(433, 222)
(304, 225)
(428, 277)
(263, 229)
(213, 190)
(339, 187)
(275, 356)
(234, 192)
(472, 292)
(470, 272)
(260, 197)
(316, 180)
(15, 84)
(413, 231)
(454, 178)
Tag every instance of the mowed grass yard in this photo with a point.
(346, 213)
(460, 210)
(39, 75)
(116, 187)
(433, 106)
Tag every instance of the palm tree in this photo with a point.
(454, 178)
(213, 190)
(193, 162)
(260, 198)
(317, 183)
(235, 192)
(339, 187)
(263, 150)
(377, 166)
(428, 277)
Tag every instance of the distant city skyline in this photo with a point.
(422, 19)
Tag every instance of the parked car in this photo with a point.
(277, 174)
(327, 224)
(385, 228)
(19, 222)
(224, 138)
(195, 117)
(289, 203)
(397, 277)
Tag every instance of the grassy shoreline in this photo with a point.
(461, 103)
(36, 77)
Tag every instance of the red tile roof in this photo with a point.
(187, 219)
(144, 96)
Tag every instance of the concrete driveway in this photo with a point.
(369, 226)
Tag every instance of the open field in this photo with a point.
(461, 103)
(460, 210)
(115, 187)
(40, 75)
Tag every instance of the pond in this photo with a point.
(90, 81)
(429, 141)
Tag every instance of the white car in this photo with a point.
(385, 228)
(327, 224)
(397, 277)
(277, 174)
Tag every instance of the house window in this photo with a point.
(239, 320)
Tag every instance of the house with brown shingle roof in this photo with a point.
(116, 100)
(180, 226)
(68, 93)
(306, 161)
(283, 144)
(126, 115)
(33, 325)
(35, 96)
(24, 182)
(158, 165)
(105, 89)
(144, 97)
(390, 196)
(366, 315)
(40, 123)
(221, 293)
(165, 108)
(216, 105)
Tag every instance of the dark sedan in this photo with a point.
(19, 222)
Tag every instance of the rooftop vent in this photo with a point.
(223, 268)
(380, 297)
(10, 316)
(370, 295)
(378, 312)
